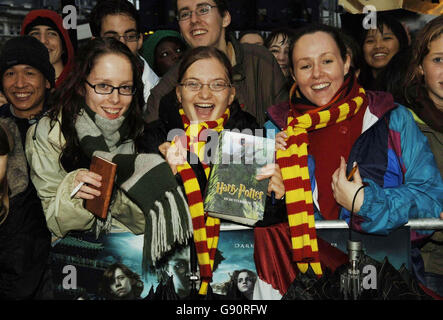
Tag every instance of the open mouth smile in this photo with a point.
(111, 113)
(22, 95)
(198, 32)
(379, 55)
(320, 86)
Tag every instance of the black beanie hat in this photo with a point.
(26, 50)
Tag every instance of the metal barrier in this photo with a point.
(423, 224)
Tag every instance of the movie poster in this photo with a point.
(80, 263)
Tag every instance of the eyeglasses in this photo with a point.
(131, 37)
(103, 88)
(216, 85)
(200, 11)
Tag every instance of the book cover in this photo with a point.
(107, 169)
(233, 193)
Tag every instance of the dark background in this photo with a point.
(246, 14)
(261, 15)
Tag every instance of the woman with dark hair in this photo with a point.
(334, 120)
(97, 113)
(278, 42)
(121, 283)
(423, 92)
(241, 285)
(379, 46)
(207, 105)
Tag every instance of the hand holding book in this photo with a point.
(107, 170)
(240, 178)
(95, 186)
(90, 183)
(174, 153)
(273, 172)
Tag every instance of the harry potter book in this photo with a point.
(233, 193)
(107, 169)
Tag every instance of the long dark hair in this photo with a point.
(366, 77)
(68, 100)
(231, 287)
(108, 280)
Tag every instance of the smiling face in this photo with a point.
(121, 286)
(115, 70)
(52, 41)
(379, 48)
(319, 69)
(24, 87)
(205, 30)
(204, 105)
(280, 49)
(115, 25)
(432, 70)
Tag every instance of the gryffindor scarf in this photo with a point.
(294, 167)
(206, 229)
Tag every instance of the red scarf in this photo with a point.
(294, 166)
(206, 229)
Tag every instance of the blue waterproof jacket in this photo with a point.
(396, 163)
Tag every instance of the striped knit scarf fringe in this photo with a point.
(167, 220)
(206, 233)
(294, 167)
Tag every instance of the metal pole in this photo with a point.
(424, 224)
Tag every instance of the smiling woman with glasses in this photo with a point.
(207, 105)
(97, 112)
(204, 88)
(103, 88)
(215, 85)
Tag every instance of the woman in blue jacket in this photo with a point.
(333, 121)
(394, 160)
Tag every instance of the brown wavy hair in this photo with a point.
(108, 279)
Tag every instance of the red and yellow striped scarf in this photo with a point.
(294, 167)
(206, 229)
